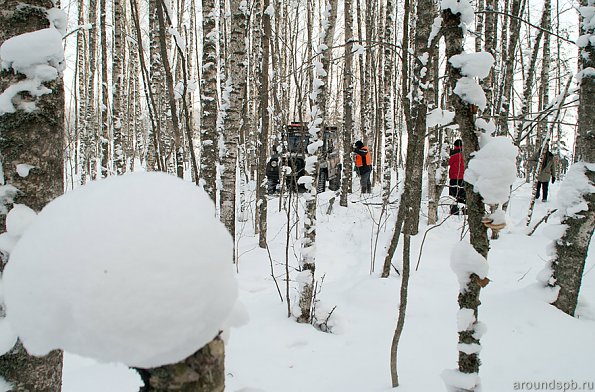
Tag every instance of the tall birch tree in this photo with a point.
(453, 21)
(315, 128)
(348, 82)
(571, 250)
(210, 64)
(235, 87)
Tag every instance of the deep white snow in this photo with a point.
(526, 339)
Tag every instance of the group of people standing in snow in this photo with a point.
(456, 173)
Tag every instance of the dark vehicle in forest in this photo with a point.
(294, 154)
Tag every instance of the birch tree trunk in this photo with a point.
(117, 87)
(490, 43)
(35, 138)
(315, 128)
(571, 250)
(387, 109)
(518, 7)
(469, 297)
(208, 158)
(544, 96)
(409, 206)
(346, 184)
(203, 371)
(155, 152)
(178, 157)
(236, 86)
(91, 115)
(82, 101)
(103, 136)
(263, 148)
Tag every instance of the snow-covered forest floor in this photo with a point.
(527, 339)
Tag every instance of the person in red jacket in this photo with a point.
(456, 172)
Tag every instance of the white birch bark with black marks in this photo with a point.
(209, 137)
(410, 204)
(468, 298)
(103, 134)
(264, 115)
(236, 86)
(118, 87)
(316, 126)
(348, 82)
(387, 108)
(571, 250)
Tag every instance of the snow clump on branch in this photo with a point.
(462, 7)
(492, 170)
(39, 55)
(133, 269)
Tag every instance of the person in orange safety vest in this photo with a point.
(363, 165)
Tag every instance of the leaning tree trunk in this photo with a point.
(571, 250)
(178, 157)
(414, 160)
(464, 117)
(35, 138)
(409, 206)
(506, 93)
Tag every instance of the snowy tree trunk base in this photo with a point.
(203, 371)
(27, 373)
(571, 253)
(307, 294)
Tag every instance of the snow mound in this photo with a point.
(473, 64)
(492, 170)
(465, 261)
(133, 269)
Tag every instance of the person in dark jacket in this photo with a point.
(456, 172)
(548, 170)
(363, 165)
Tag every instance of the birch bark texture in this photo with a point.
(208, 157)
(571, 250)
(315, 128)
(235, 90)
(35, 138)
(409, 207)
(264, 115)
(346, 181)
(469, 296)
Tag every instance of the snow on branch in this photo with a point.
(473, 64)
(462, 7)
(466, 261)
(439, 116)
(576, 185)
(111, 271)
(493, 169)
(458, 381)
(39, 55)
